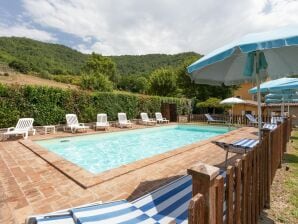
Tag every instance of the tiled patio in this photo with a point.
(30, 185)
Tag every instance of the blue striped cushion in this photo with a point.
(169, 202)
(246, 143)
(270, 126)
(114, 212)
(55, 219)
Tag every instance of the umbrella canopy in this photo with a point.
(252, 57)
(266, 86)
(286, 87)
(232, 100)
(227, 64)
(281, 96)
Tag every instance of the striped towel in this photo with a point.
(114, 212)
(270, 126)
(169, 202)
(246, 143)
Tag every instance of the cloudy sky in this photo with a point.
(117, 27)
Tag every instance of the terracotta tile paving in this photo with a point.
(30, 185)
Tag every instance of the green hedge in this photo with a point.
(49, 105)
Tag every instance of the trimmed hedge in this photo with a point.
(48, 105)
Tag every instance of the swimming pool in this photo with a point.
(100, 152)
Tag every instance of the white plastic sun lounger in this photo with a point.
(23, 127)
(160, 118)
(102, 122)
(166, 204)
(146, 120)
(122, 120)
(210, 119)
(73, 124)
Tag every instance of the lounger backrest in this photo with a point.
(102, 118)
(158, 116)
(208, 116)
(72, 119)
(250, 117)
(25, 123)
(274, 120)
(144, 117)
(122, 117)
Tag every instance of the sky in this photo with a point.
(133, 27)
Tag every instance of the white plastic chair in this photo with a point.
(73, 124)
(160, 118)
(102, 122)
(23, 127)
(146, 120)
(122, 120)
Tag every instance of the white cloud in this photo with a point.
(25, 31)
(160, 26)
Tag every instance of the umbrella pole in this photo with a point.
(258, 96)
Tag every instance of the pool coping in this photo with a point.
(87, 179)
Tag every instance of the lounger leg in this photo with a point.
(26, 135)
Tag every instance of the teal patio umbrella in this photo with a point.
(251, 58)
(281, 98)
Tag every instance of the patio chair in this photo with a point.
(275, 120)
(160, 118)
(73, 124)
(102, 122)
(122, 121)
(240, 146)
(23, 127)
(210, 119)
(164, 205)
(146, 120)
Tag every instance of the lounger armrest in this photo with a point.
(82, 124)
(10, 129)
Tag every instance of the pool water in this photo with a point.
(100, 152)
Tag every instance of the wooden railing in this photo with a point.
(239, 193)
(235, 119)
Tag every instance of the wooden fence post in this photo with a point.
(268, 153)
(203, 182)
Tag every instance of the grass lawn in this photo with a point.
(284, 191)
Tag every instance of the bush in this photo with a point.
(49, 105)
(96, 82)
(19, 66)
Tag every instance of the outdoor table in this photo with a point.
(49, 128)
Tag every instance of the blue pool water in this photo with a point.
(99, 152)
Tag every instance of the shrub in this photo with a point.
(96, 82)
(48, 105)
(19, 66)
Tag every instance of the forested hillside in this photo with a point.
(28, 55)
(153, 74)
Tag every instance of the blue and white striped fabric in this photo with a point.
(246, 143)
(53, 219)
(169, 202)
(115, 212)
(270, 126)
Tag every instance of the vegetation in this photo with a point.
(154, 74)
(163, 82)
(49, 105)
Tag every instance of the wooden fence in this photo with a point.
(239, 193)
(235, 119)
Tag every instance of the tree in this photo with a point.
(163, 82)
(97, 82)
(97, 63)
(133, 83)
(212, 102)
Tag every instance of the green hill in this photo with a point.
(27, 55)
